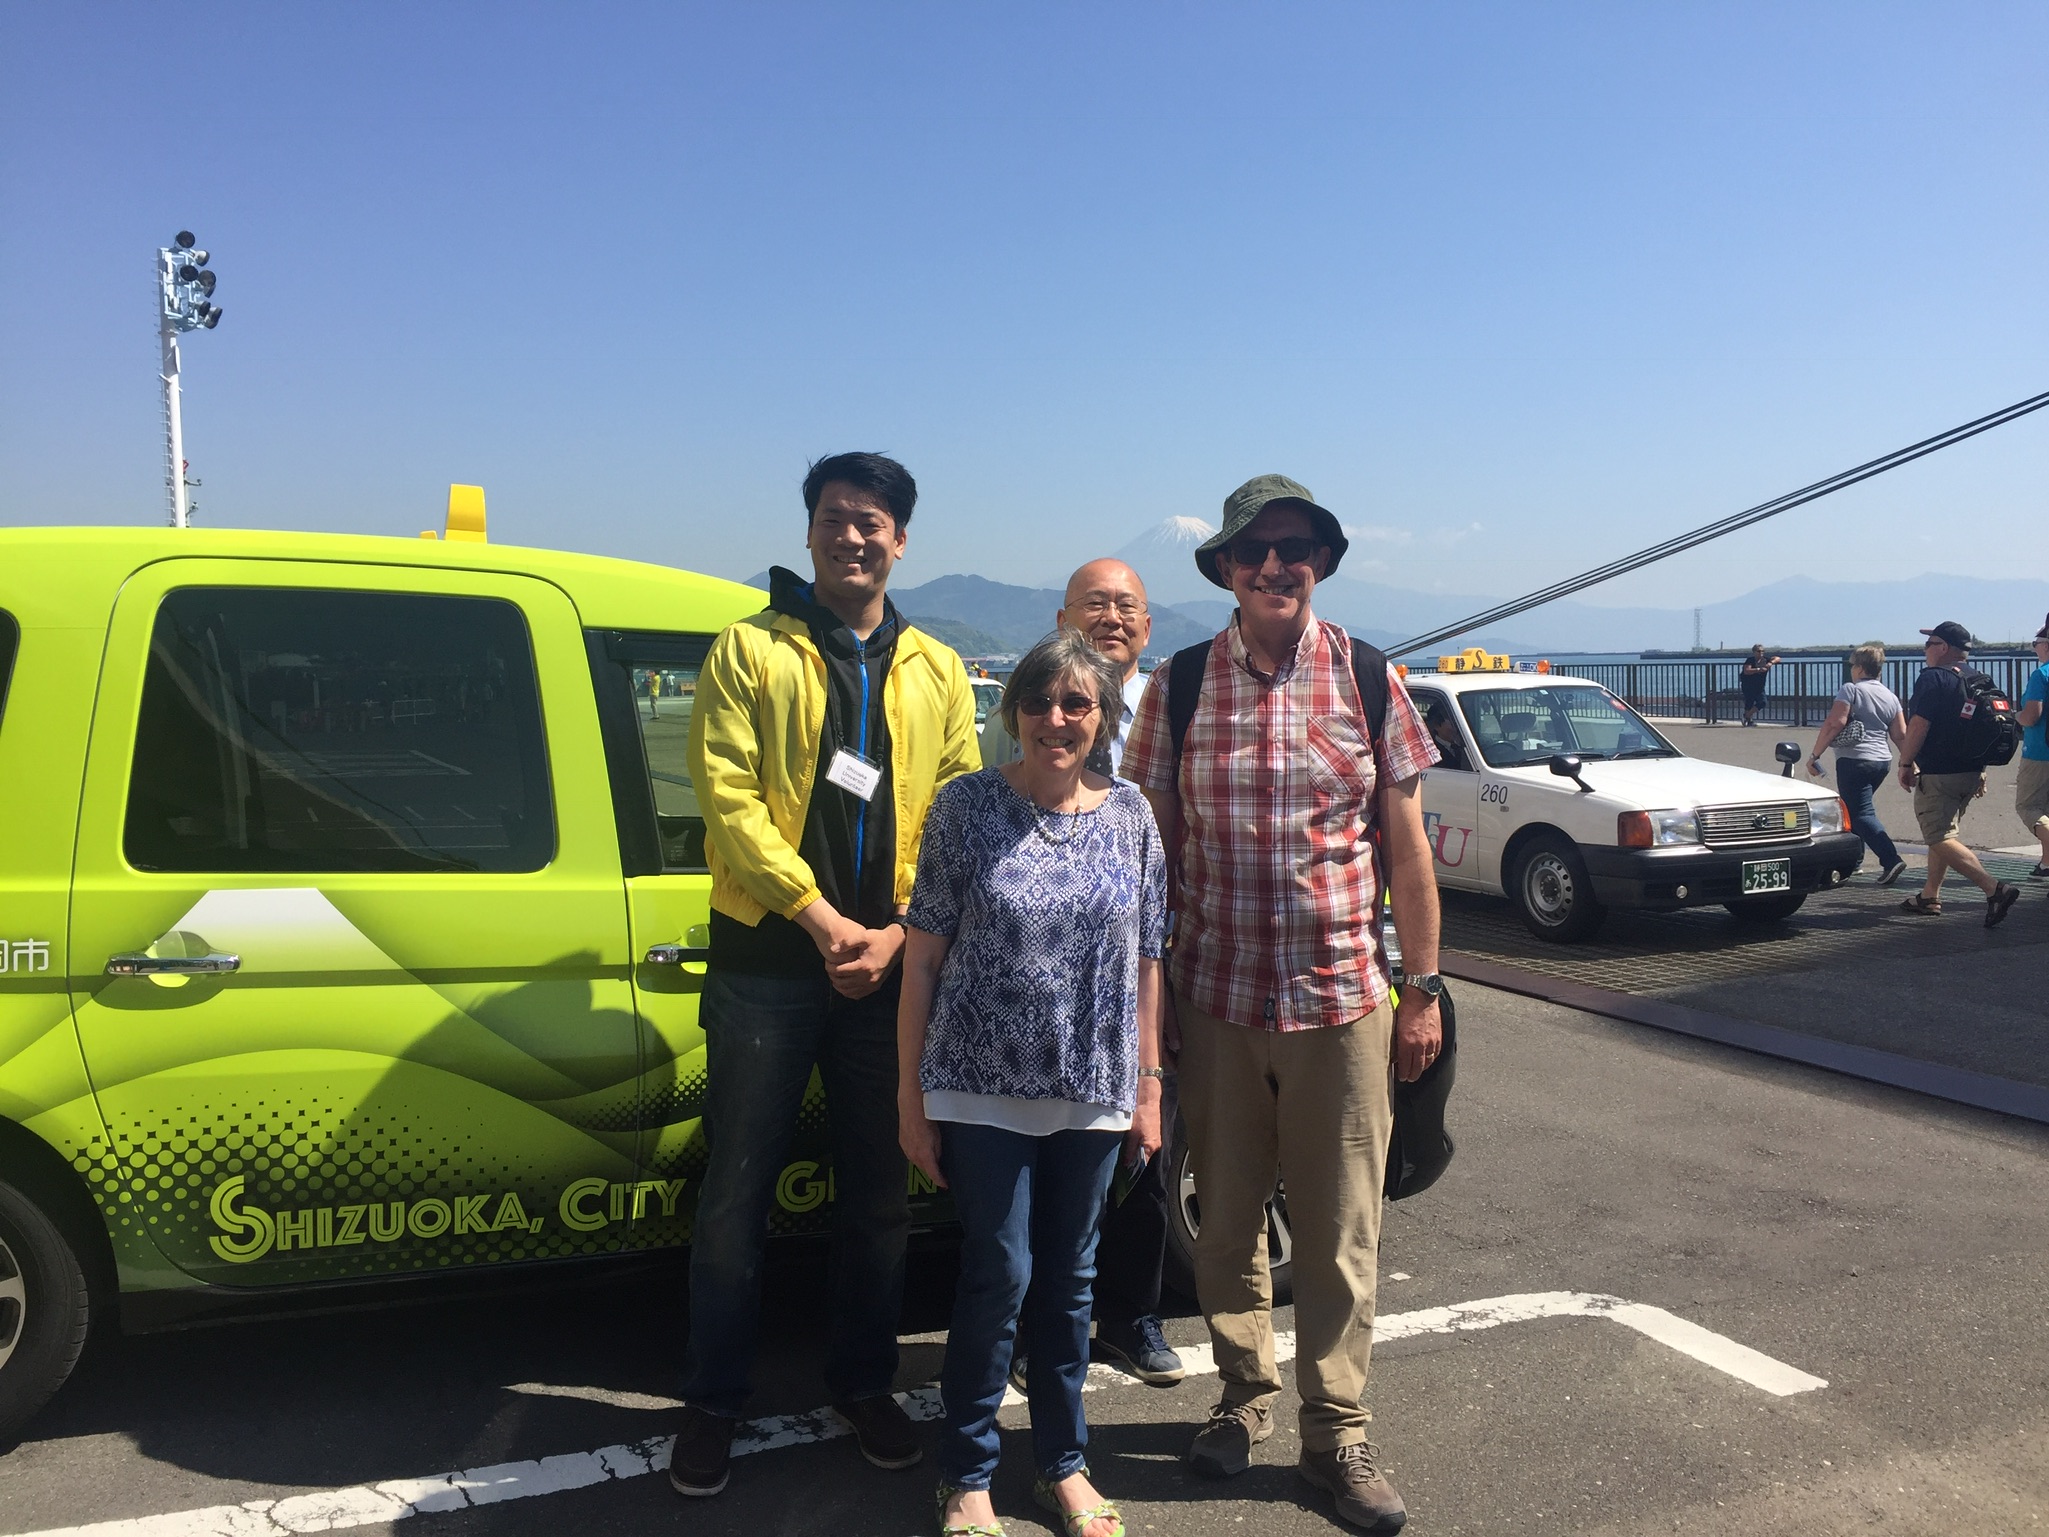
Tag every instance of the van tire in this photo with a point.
(45, 1309)
(1763, 910)
(1552, 891)
(1184, 1216)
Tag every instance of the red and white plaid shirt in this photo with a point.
(1279, 924)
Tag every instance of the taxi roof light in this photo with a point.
(465, 515)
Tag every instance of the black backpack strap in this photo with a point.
(1184, 688)
(1369, 671)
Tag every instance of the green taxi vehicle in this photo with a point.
(352, 904)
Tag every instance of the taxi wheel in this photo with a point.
(1766, 909)
(44, 1306)
(1553, 892)
(1184, 1220)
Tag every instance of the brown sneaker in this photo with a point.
(1223, 1447)
(1352, 1473)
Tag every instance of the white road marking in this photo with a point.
(375, 1504)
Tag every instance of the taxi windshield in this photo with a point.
(1517, 726)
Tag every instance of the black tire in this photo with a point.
(44, 1310)
(1763, 910)
(1184, 1216)
(1552, 891)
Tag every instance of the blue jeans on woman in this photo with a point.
(1857, 778)
(1028, 1208)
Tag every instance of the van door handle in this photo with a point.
(136, 964)
(676, 955)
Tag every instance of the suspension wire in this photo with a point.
(1729, 525)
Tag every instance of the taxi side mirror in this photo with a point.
(1788, 754)
(1566, 766)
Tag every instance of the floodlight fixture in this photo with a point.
(184, 303)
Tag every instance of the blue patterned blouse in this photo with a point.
(1048, 914)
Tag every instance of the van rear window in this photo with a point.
(306, 730)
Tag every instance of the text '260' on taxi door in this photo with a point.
(349, 961)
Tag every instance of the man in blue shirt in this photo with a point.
(1938, 766)
(2031, 778)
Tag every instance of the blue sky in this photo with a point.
(1513, 288)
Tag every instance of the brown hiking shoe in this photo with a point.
(1223, 1447)
(1352, 1473)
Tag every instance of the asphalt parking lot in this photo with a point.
(1887, 1245)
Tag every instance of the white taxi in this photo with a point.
(1557, 794)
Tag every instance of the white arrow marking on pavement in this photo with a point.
(373, 1504)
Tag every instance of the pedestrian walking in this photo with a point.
(1757, 670)
(1105, 601)
(823, 728)
(1288, 809)
(1936, 763)
(2031, 779)
(1864, 725)
(1029, 1043)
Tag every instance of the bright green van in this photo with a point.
(352, 897)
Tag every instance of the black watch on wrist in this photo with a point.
(1428, 983)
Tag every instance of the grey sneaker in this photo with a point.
(1352, 1473)
(1223, 1447)
(1141, 1349)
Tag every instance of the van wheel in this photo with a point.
(1762, 910)
(1553, 892)
(44, 1309)
(1184, 1220)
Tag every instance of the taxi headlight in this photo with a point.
(1831, 817)
(1656, 829)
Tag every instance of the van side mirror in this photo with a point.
(1566, 766)
(1788, 754)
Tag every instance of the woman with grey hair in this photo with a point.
(1028, 1044)
(1864, 725)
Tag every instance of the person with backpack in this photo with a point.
(1943, 762)
(2031, 780)
(1288, 803)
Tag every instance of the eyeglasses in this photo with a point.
(1073, 706)
(1293, 551)
(1095, 605)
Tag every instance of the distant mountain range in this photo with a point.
(990, 617)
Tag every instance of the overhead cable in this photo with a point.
(1728, 525)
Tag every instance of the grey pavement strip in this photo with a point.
(1982, 1091)
(395, 1499)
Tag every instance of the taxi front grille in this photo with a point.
(1777, 822)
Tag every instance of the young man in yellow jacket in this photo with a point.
(822, 728)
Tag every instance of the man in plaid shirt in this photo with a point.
(1285, 815)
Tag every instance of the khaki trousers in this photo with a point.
(1313, 1108)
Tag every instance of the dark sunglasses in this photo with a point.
(1293, 551)
(1073, 706)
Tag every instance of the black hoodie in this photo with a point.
(850, 846)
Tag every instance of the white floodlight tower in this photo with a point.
(184, 303)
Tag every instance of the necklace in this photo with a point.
(1039, 815)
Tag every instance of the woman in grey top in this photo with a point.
(1864, 725)
(1028, 1051)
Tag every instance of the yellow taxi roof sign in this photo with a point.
(1473, 659)
(466, 515)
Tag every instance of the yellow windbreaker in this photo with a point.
(754, 735)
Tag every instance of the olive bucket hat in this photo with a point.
(1244, 504)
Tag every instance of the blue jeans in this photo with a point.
(761, 1037)
(1028, 1208)
(1857, 778)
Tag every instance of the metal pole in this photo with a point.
(174, 423)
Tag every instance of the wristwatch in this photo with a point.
(1153, 1072)
(1425, 982)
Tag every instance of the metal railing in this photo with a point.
(1798, 692)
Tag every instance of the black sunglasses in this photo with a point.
(1073, 706)
(1250, 550)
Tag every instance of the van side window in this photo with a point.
(10, 642)
(291, 729)
(647, 686)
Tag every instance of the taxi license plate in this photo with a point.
(1767, 875)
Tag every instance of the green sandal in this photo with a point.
(946, 1492)
(1077, 1521)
